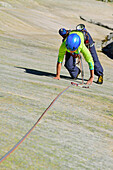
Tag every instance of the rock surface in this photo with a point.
(77, 132)
(108, 50)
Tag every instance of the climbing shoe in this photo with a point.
(100, 79)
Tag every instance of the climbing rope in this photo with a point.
(82, 70)
(26, 135)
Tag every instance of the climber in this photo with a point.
(70, 62)
(73, 45)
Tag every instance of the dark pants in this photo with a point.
(98, 70)
(70, 64)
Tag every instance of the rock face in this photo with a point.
(108, 39)
(96, 23)
(77, 132)
(107, 45)
(108, 50)
(5, 5)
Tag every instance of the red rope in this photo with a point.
(24, 137)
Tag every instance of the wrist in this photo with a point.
(57, 75)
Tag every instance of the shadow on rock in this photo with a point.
(43, 73)
(108, 50)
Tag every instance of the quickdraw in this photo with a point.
(80, 85)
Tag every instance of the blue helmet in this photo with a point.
(73, 42)
(62, 31)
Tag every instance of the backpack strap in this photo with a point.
(86, 37)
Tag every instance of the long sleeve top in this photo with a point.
(81, 49)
